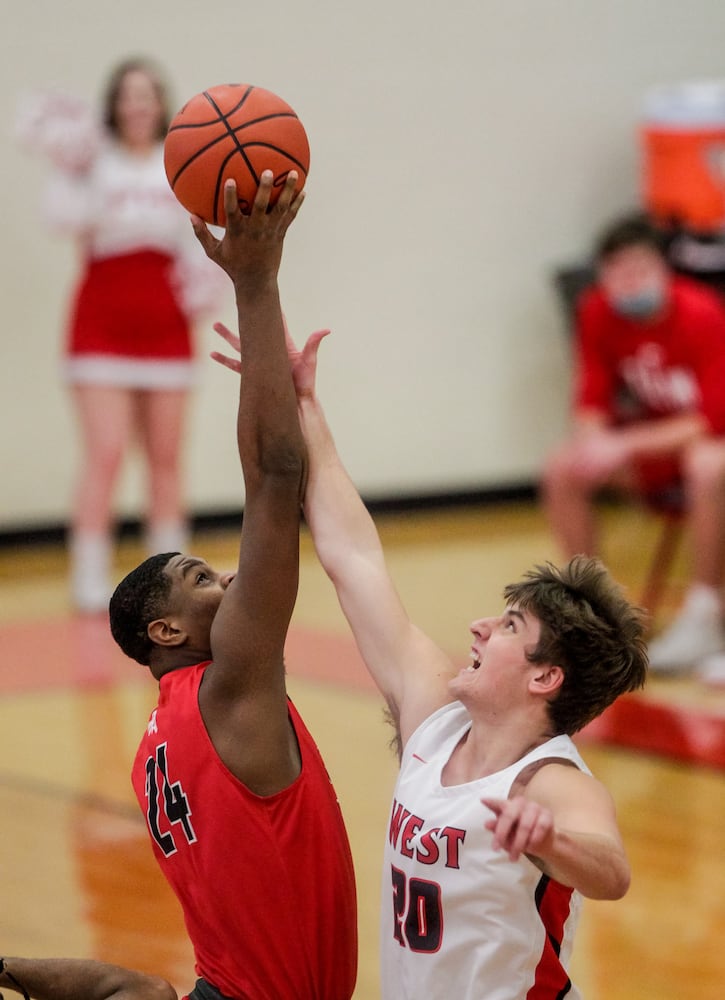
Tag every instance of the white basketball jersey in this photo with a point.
(460, 921)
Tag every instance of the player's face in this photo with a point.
(196, 593)
(138, 108)
(498, 655)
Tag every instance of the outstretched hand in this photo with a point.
(251, 249)
(303, 364)
(520, 826)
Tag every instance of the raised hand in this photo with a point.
(250, 250)
(303, 364)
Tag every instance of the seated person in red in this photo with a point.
(649, 412)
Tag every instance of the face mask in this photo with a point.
(640, 306)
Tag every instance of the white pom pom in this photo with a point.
(59, 126)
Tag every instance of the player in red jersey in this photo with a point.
(243, 818)
(649, 414)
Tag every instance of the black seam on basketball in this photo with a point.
(237, 128)
(225, 135)
(224, 119)
(232, 136)
(220, 174)
(276, 149)
(231, 132)
(240, 148)
(212, 121)
(236, 108)
(219, 117)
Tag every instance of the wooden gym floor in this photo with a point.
(76, 872)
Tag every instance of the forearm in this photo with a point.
(339, 522)
(660, 438)
(268, 430)
(80, 979)
(594, 864)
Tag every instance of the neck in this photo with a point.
(139, 147)
(182, 658)
(490, 747)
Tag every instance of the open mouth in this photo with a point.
(474, 664)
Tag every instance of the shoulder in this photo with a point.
(558, 757)
(593, 308)
(560, 780)
(696, 299)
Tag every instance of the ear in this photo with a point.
(547, 679)
(164, 633)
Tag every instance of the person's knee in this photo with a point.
(104, 460)
(703, 465)
(567, 471)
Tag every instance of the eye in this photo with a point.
(202, 577)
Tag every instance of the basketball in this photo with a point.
(233, 131)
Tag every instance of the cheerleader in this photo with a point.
(128, 355)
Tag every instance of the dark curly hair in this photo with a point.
(140, 598)
(590, 630)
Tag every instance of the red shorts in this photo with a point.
(656, 476)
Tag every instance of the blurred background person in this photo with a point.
(128, 356)
(649, 417)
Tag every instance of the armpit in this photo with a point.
(524, 777)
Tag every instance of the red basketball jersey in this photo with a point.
(266, 883)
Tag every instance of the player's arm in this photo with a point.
(79, 979)
(245, 686)
(564, 820)
(659, 438)
(408, 667)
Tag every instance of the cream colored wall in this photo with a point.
(459, 152)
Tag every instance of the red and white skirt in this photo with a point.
(126, 327)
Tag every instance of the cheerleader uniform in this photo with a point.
(144, 280)
(144, 274)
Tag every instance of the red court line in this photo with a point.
(80, 652)
(636, 722)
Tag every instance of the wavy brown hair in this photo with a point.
(113, 89)
(590, 630)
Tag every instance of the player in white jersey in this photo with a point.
(497, 827)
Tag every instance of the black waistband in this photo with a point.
(205, 991)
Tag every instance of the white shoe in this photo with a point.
(712, 670)
(168, 536)
(696, 633)
(90, 558)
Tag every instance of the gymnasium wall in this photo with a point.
(460, 152)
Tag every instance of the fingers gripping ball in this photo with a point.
(234, 131)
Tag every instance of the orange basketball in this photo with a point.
(234, 131)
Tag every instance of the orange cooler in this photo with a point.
(683, 145)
